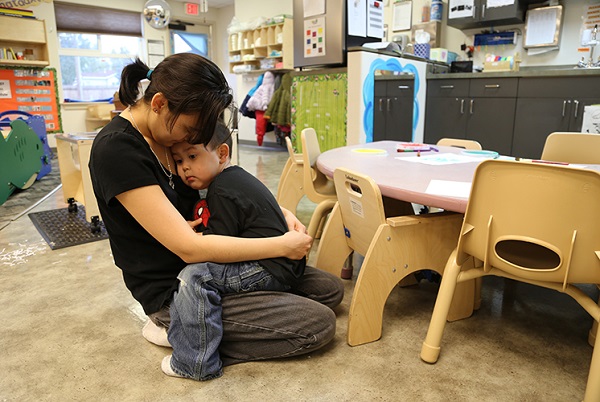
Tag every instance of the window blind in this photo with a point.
(78, 18)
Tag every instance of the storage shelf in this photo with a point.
(25, 35)
(278, 37)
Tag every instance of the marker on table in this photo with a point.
(549, 162)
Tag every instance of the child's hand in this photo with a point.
(193, 224)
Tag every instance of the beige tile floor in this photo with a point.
(69, 330)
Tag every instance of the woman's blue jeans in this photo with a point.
(196, 327)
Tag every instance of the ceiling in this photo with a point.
(212, 3)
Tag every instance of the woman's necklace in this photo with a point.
(170, 173)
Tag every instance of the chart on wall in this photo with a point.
(314, 37)
(31, 90)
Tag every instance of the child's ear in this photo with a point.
(223, 153)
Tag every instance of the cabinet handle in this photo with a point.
(447, 87)
(576, 102)
(403, 87)
(471, 106)
(493, 86)
(381, 105)
(565, 107)
(462, 106)
(388, 104)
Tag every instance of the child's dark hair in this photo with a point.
(222, 135)
(190, 83)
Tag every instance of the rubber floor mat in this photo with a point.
(61, 228)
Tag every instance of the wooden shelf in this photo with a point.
(26, 35)
(260, 43)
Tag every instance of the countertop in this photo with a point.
(546, 71)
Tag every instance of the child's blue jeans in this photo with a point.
(196, 327)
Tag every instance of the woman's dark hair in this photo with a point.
(190, 83)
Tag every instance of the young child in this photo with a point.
(236, 204)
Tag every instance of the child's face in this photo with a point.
(196, 165)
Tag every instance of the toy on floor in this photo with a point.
(24, 152)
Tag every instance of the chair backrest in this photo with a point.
(361, 206)
(460, 143)
(296, 158)
(535, 221)
(317, 186)
(572, 148)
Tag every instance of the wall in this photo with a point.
(247, 11)
(73, 115)
(567, 54)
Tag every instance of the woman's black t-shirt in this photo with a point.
(121, 160)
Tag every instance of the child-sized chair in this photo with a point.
(394, 249)
(317, 187)
(521, 223)
(291, 182)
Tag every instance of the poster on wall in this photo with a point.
(314, 37)
(375, 19)
(31, 90)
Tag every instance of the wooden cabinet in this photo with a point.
(546, 105)
(477, 13)
(26, 36)
(393, 109)
(265, 48)
(477, 109)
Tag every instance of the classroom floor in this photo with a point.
(70, 330)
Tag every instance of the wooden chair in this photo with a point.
(394, 248)
(572, 148)
(291, 182)
(317, 187)
(460, 143)
(520, 223)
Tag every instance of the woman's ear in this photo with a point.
(158, 102)
(223, 153)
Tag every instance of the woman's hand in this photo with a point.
(297, 244)
(293, 223)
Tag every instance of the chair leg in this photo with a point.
(333, 249)
(431, 347)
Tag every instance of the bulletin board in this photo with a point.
(31, 90)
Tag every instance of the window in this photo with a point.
(91, 64)
(184, 42)
(94, 45)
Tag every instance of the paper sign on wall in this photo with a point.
(314, 37)
(591, 119)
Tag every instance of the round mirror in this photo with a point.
(157, 13)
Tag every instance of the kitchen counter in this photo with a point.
(558, 71)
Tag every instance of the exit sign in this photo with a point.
(191, 8)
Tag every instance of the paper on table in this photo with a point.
(441, 158)
(449, 188)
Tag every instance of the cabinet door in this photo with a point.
(445, 117)
(462, 13)
(535, 119)
(506, 14)
(401, 95)
(379, 118)
(576, 120)
(491, 123)
(399, 118)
